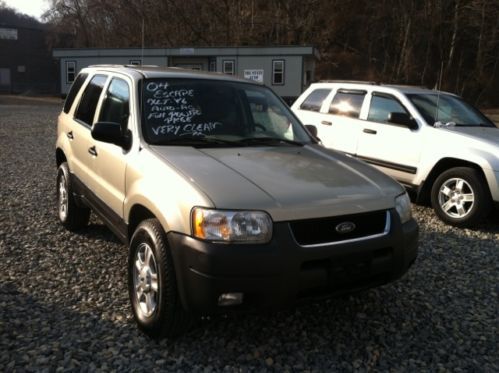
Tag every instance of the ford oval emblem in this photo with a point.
(345, 227)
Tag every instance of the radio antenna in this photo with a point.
(439, 85)
(143, 37)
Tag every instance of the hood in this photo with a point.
(488, 135)
(287, 182)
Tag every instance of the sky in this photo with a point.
(34, 8)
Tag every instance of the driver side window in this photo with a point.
(269, 118)
(116, 105)
(381, 107)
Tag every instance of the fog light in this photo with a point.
(230, 299)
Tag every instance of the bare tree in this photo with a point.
(385, 40)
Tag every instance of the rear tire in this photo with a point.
(460, 197)
(152, 284)
(71, 216)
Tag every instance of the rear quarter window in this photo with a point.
(75, 88)
(314, 100)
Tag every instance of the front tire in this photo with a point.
(71, 216)
(460, 197)
(152, 284)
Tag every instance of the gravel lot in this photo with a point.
(64, 303)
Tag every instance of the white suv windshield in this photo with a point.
(186, 111)
(448, 109)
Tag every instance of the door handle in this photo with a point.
(370, 131)
(326, 123)
(93, 151)
(70, 135)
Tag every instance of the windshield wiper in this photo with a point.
(268, 141)
(474, 125)
(198, 141)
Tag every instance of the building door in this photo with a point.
(4, 79)
(191, 66)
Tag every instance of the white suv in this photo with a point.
(432, 142)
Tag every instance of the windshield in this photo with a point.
(447, 109)
(199, 112)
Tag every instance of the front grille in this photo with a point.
(323, 230)
(350, 272)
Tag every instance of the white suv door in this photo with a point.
(394, 148)
(309, 111)
(340, 125)
(335, 113)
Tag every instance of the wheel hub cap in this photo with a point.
(63, 199)
(456, 198)
(145, 280)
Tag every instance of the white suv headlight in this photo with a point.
(403, 207)
(231, 226)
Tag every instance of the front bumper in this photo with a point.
(493, 181)
(281, 273)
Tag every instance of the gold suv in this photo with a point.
(224, 198)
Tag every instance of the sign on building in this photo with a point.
(8, 33)
(256, 75)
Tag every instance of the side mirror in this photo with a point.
(403, 119)
(312, 130)
(111, 133)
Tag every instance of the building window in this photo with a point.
(136, 62)
(70, 71)
(278, 72)
(213, 65)
(228, 67)
(308, 77)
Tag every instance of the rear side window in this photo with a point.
(90, 98)
(75, 88)
(314, 100)
(347, 103)
(382, 106)
(115, 107)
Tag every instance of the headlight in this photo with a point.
(403, 207)
(231, 226)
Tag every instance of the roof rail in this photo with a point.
(406, 85)
(132, 65)
(349, 81)
(118, 65)
(105, 65)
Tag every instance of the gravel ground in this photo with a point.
(64, 303)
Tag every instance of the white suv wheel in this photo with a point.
(460, 196)
(456, 197)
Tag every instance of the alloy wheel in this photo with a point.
(456, 197)
(145, 280)
(63, 199)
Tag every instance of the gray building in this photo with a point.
(26, 65)
(288, 70)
